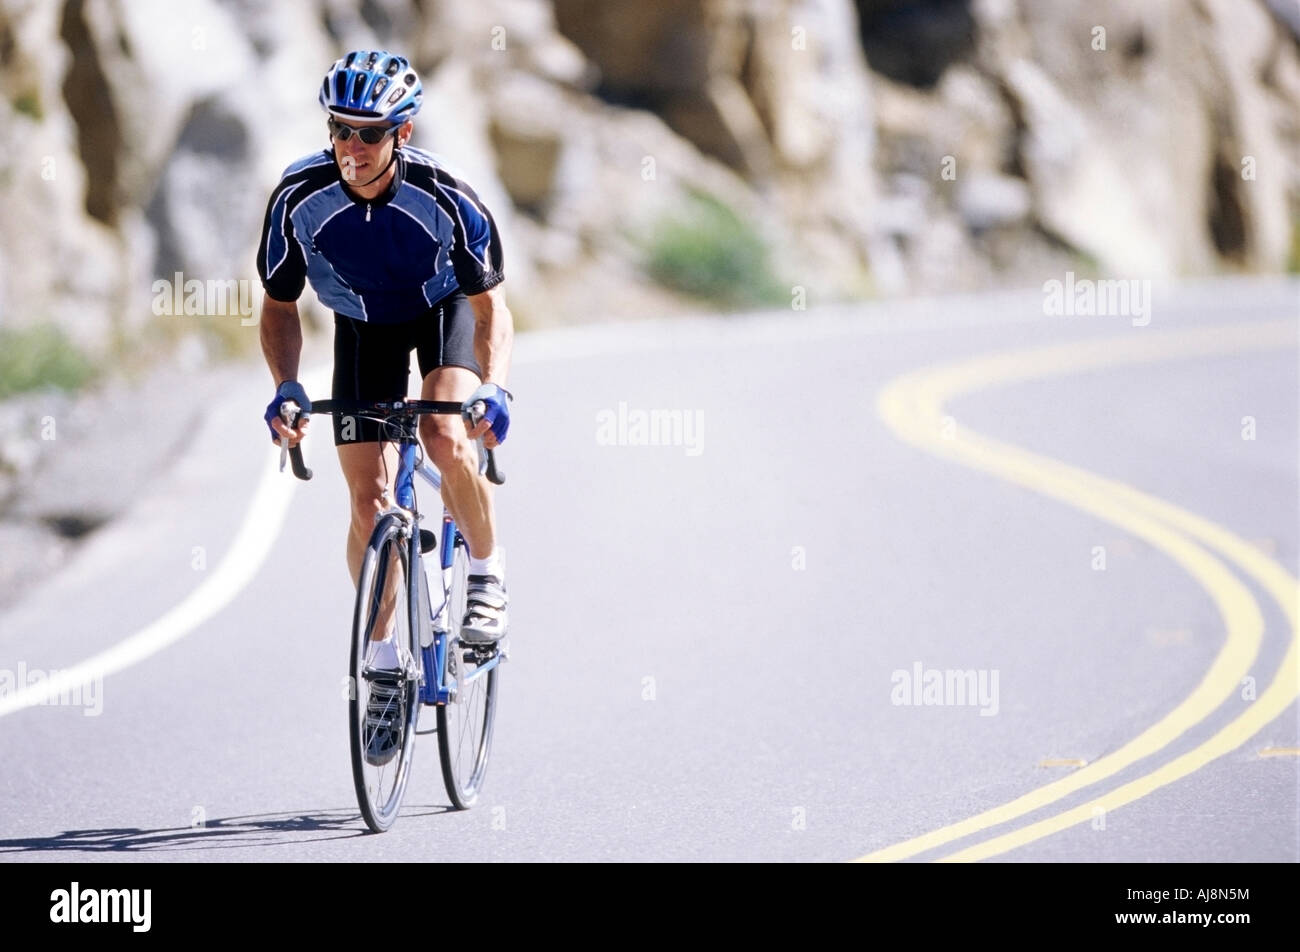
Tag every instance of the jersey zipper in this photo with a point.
(367, 211)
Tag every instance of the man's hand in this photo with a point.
(290, 391)
(495, 422)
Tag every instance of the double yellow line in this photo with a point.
(913, 407)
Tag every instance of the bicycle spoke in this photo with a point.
(382, 725)
(465, 724)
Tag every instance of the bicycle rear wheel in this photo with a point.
(465, 722)
(383, 603)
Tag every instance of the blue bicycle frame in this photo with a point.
(434, 687)
(456, 678)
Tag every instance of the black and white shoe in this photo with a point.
(384, 710)
(485, 610)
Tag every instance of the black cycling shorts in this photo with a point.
(373, 361)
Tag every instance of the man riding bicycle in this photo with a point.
(409, 259)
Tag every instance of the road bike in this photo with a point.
(458, 680)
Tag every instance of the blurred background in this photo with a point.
(642, 159)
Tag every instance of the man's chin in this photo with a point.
(351, 172)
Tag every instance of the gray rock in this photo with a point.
(987, 200)
(29, 552)
(528, 137)
(1080, 190)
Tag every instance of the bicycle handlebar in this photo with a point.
(386, 408)
(382, 411)
(291, 413)
(295, 457)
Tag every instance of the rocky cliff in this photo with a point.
(876, 146)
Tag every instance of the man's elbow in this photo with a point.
(278, 310)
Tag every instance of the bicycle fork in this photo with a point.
(436, 687)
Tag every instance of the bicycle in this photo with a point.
(457, 679)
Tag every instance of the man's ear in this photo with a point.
(404, 134)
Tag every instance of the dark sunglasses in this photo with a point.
(370, 135)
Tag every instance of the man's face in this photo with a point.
(359, 162)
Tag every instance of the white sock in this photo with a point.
(489, 566)
(385, 654)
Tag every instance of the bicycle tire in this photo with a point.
(465, 723)
(381, 787)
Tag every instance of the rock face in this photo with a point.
(1156, 139)
(777, 92)
(901, 146)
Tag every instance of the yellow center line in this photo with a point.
(913, 407)
(1279, 695)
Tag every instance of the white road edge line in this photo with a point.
(248, 550)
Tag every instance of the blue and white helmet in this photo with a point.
(372, 84)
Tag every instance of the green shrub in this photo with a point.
(41, 356)
(709, 251)
(29, 104)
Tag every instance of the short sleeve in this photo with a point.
(280, 262)
(476, 254)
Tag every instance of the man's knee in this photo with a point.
(366, 485)
(448, 448)
(367, 500)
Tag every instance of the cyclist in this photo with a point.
(408, 257)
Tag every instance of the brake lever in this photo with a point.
(288, 416)
(290, 413)
(473, 416)
(487, 459)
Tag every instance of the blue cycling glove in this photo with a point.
(497, 411)
(289, 390)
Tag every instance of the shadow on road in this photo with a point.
(262, 830)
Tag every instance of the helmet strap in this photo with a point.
(381, 171)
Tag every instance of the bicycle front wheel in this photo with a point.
(465, 722)
(383, 704)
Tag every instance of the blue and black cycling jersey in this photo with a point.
(384, 260)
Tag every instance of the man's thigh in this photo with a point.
(369, 469)
(445, 340)
(371, 362)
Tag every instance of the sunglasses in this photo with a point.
(370, 135)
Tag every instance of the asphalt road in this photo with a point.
(747, 644)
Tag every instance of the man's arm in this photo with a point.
(494, 334)
(494, 337)
(281, 332)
